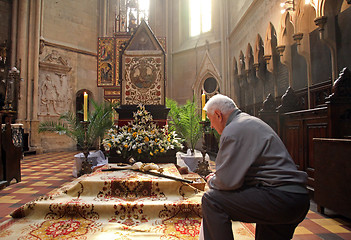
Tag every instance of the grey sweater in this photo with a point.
(251, 153)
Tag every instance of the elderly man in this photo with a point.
(255, 181)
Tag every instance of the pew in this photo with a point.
(332, 187)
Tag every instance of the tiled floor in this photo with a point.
(44, 172)
(40, 174)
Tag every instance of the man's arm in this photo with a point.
(232, 163)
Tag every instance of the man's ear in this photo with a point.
(219, 115)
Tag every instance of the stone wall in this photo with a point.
(56, 43)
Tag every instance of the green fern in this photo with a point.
(100, 119)
(185, 120)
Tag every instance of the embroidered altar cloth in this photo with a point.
(121, 204)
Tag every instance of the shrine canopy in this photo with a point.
(142, 76)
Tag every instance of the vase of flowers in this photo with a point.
(141, 139)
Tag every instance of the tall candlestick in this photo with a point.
(85, 106)
(203, 98)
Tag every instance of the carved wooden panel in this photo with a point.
(292, 138)
(332, 161)
(299, 129)
(315, 128)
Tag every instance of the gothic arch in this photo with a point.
(286, 30)
(249, 65)
(259, 49)
(234, 83)
(285, 40)
(235, 67)
(249, 61)
(270, 46)
(259, 62)
(306, 14)
(241, 67)
(207, 70)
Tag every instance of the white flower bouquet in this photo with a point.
(141, 139)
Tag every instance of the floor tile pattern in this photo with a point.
(42, 173)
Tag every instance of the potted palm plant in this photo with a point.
(185, 120)
(100, 119)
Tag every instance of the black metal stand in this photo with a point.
(86, 165)
(203, 166)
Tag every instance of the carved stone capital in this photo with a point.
(267, 58)
(298, 37)
(281, 49)
(256, 66)
(320, 22)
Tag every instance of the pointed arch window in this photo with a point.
(200, 16)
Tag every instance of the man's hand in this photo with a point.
(209, 176)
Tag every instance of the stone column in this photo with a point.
(34, 139)
(224, 46)
(14, 32)
(29, 82)
(37, 27)
(22, 47)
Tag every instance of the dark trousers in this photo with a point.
(276, 213)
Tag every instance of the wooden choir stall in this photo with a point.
(318, 140)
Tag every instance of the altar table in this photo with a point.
(121, 204)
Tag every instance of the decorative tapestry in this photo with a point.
(144, 80)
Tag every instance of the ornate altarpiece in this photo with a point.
(109, 74)
(131, 69)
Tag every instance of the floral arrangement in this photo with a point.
(141, 138)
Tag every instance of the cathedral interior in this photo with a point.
(284, 61)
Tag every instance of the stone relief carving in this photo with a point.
(55, 92)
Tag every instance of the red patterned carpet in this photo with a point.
(45, 172)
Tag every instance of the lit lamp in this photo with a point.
(85, 107)
(86, 165)
(203, 165)
(203, 100)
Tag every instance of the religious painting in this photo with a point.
(143, 80)
(106, 58)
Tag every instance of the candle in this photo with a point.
(203, 98)
(85, 107)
